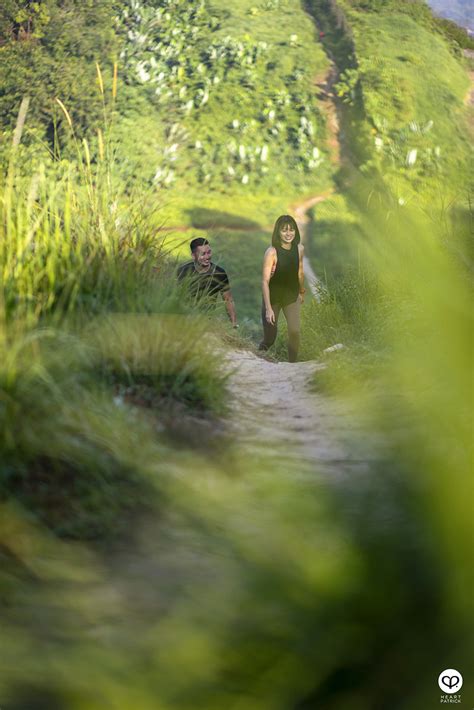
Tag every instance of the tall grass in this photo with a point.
(88, 342)
(243, 584)
(407, 369)
(236, 583)
(71, 241)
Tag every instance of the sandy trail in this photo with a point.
(275, 413)
(277, 416)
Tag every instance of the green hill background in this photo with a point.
(146, 560)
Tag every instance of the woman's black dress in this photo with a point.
(284, 284)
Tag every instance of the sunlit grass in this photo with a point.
(417, 380)
(232, 582)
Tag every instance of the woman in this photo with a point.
(283, 284)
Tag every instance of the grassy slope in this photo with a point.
(412, 88)
(237, 98)
(245, 104)
(428, 81)
(404, 311)
(416, 81)
(235, 204)
(248, 640)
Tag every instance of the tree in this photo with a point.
(48, 50)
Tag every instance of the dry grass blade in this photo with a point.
(99, 78)
(87, 152)
(114, 83)
(20, 122)
(65, 111)
(100, 140)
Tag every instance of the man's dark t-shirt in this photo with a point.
(207, 284)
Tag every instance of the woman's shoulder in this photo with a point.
(300, 249)
(271, 251)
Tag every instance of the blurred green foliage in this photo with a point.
(47, 50)
(411, 131)
(78, 251)
(203, 69)
(219, 579)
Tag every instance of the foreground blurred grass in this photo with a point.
(94, 332)
(73, 416)
(221, 581)
(406, 320)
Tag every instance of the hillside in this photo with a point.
(212, 100)
(187, 522)
(404, 83)
(240, 94)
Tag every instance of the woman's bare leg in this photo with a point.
(292, 315)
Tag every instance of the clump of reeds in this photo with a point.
(75, 240)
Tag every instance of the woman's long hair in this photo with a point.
(281, 221)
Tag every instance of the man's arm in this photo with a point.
(230, 307)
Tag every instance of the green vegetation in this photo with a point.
(47, 50)
(93, 329)
(206, 71)
(84, 414)
(414, 136)
(458, 36)
(412, 131)
(146, 561)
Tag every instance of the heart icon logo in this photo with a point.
(450, 681)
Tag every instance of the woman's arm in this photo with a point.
(301, 272)
(268, 268)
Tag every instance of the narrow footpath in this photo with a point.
(278, 418)
(276, 412)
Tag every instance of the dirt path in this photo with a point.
(276, 416)
(274, 411)
(325, 87)
(284, 427)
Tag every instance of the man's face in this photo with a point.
(202, 256)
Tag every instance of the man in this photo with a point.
(205, 279)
